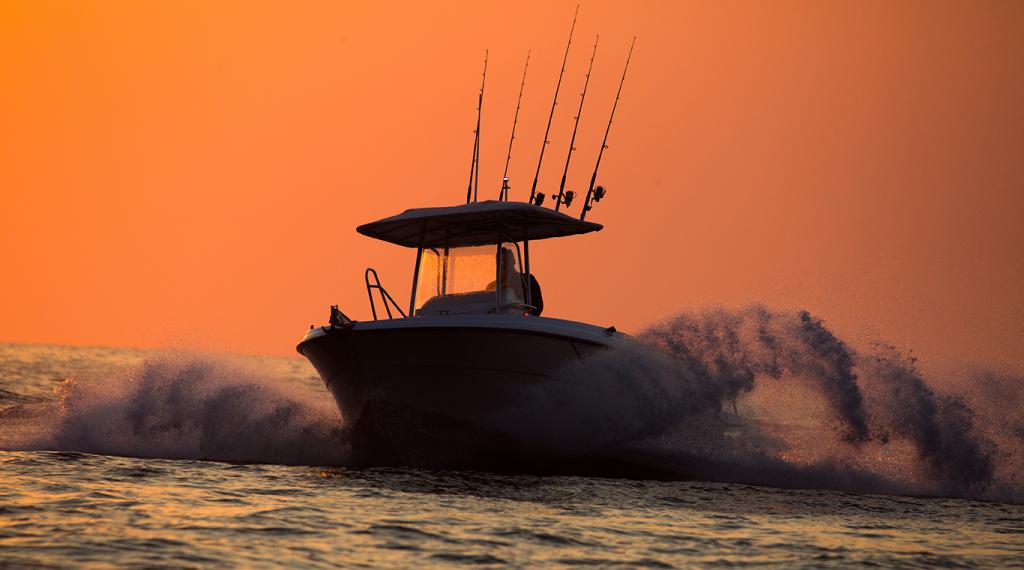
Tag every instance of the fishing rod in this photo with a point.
(474, 166)
(503, 195)
(565, 197)
(533, 189)
(595, 194)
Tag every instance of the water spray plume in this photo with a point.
(748, 395)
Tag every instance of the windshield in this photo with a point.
(467, 274)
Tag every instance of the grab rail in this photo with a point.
(385, 297)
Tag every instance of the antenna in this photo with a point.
(474, 167)
(515, 120)
(533, 190)
(595, 194)
(565, 197)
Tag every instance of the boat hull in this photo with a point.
(426, 391)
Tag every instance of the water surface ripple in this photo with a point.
(68, 508)
(63, 508)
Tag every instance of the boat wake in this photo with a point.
(775, 398)
(184, 406)
(750, 395)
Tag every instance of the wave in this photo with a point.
(775, 398)
(749, 395)
(183, 406)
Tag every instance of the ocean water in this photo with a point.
(128, 458)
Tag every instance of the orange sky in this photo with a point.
(191, 173)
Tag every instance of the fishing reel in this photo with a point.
(593, 197)
(566, 199)
(538, 199)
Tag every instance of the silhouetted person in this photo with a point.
(536, 298)
(511, 280)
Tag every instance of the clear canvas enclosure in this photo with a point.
(468, 279)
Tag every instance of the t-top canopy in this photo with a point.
(479, 223)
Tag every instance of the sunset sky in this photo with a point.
(190, 174)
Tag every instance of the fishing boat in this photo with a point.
(421, 386)
(424, 385)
